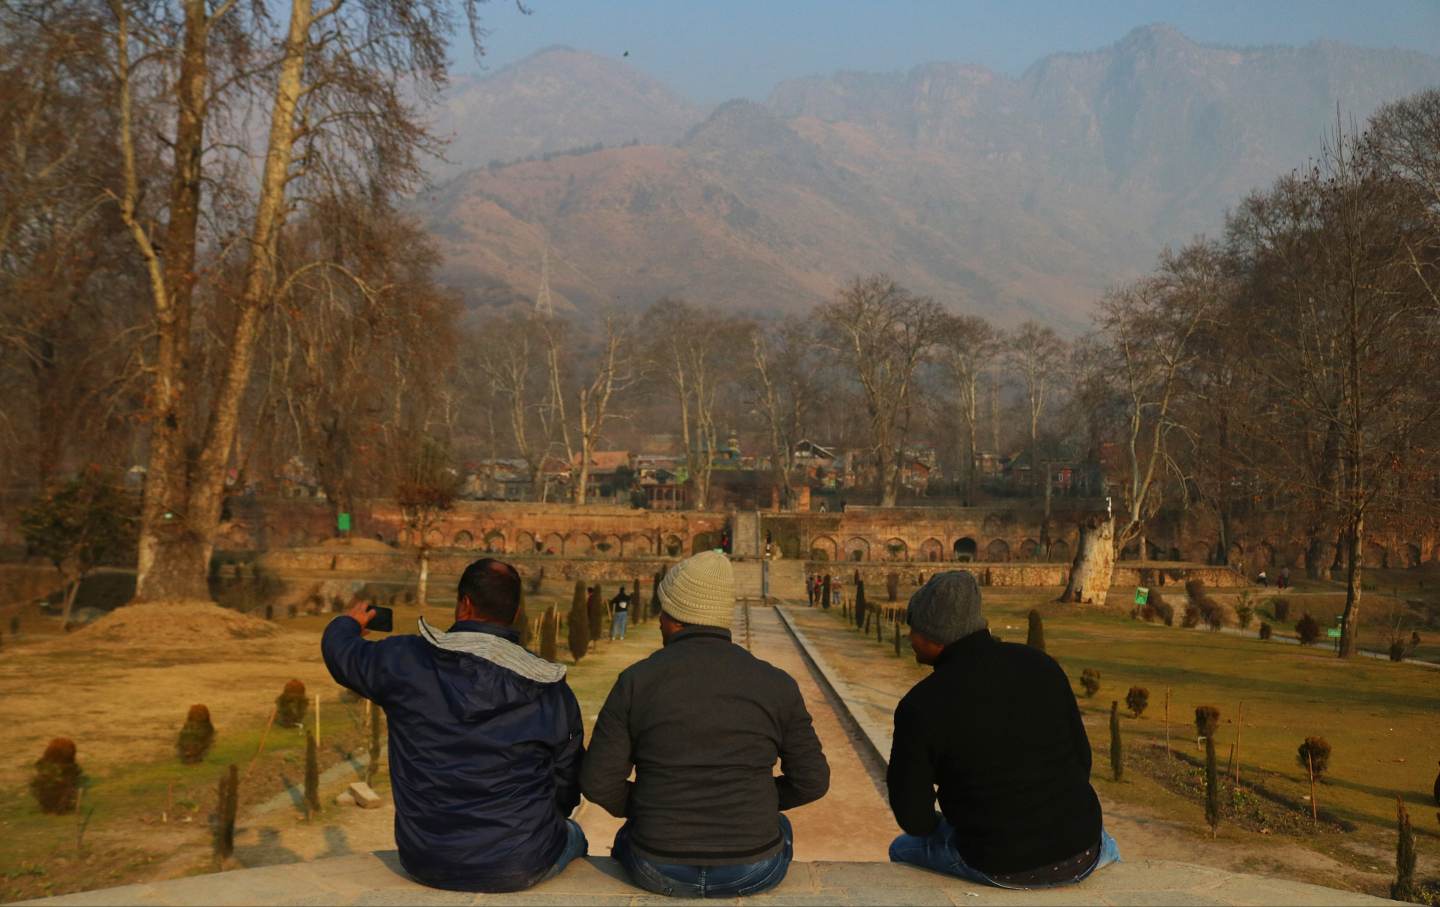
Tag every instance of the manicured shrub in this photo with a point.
(290, 705)
(892, 586)
(1035, 638)
(1308, 630)
(535, 580)
(56, 785)
(825, 593)
(1280, 607)
(1315, 751)
(579, 638)
(1117, 752)
(1090, 680)
(227, 807)
(897, 637)
(548, 628)
(1244, 614)
(1148, 613)
(1214, 616)
(1207, 720)
(1163, 609)
(312, 776)
(861, 606)
(1265, 630)
(1136, 700)
(1191, 619)
(196, 735)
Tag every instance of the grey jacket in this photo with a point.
(703, 722)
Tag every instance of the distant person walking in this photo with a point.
(620, 610)
(996, 734)
(702, 722)
(485, 739)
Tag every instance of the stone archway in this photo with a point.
(857, 549)
(822, 548)
(462, 539)
(965, 549)
(636, 545)
(673, 546)
(434, 539)
(1060, 552)
(554, 544)
(495, 541)
(997, 552)
(704, 541)
(607, 546)
(896, 550)
(524, 543)
(579, 545)
(1029, 550)
(932, 550)
(1412, 555)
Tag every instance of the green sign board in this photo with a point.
(1333, 632)
(1142, 595)
(342, 522)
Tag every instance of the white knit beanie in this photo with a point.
(700, 590)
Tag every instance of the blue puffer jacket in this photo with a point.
(485, 747)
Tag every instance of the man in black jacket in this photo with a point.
(997, 730)
(485, 739)
(702, 721)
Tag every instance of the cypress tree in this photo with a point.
(655, 594)
(892, 586)
(547, 635)
(224, 837)
(595, 608)
(1403, 888)
(1117, 752)
(196, 735)
(825, 593)
(860, 606)
(579, 638)
(880, 628)
(897, 635)
(312, 776)
(1212, 786)
(1035, 639)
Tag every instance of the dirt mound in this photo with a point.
(177, 624)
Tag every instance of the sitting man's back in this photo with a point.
(703, 722)
(997, 729)
(485, 739)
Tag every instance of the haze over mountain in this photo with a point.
(1007, 197)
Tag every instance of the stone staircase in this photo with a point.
(787, 579)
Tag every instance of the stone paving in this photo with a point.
(376, 879)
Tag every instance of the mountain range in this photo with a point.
(1005, 197)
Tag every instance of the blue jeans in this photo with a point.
(678, 880)
(617, 624)
(575, 846)
(937, 851)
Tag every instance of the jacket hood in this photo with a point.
(488, 674)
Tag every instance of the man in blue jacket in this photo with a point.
(485, 739)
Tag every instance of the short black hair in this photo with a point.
(493, 588)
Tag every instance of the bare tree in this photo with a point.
(1036, 354)
(611, 374)
(782, 389)
(882, 331)
(516, 369)
(330, 81)
(968, 345)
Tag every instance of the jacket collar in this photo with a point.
(481, 626)
(965, 648)
(699, 632)
(495, 644)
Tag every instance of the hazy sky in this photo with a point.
(715, 50)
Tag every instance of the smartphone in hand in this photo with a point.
(383, 620)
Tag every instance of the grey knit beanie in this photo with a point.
(947, 608)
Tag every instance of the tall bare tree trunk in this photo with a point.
(422, 582)
(1351, 617)
(1094, 563)
(179, 558)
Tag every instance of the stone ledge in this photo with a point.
(376, 878)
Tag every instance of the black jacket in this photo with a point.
(703, 721)
(996, 727)
(485, 748)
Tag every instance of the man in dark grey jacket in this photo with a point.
(702, 721)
